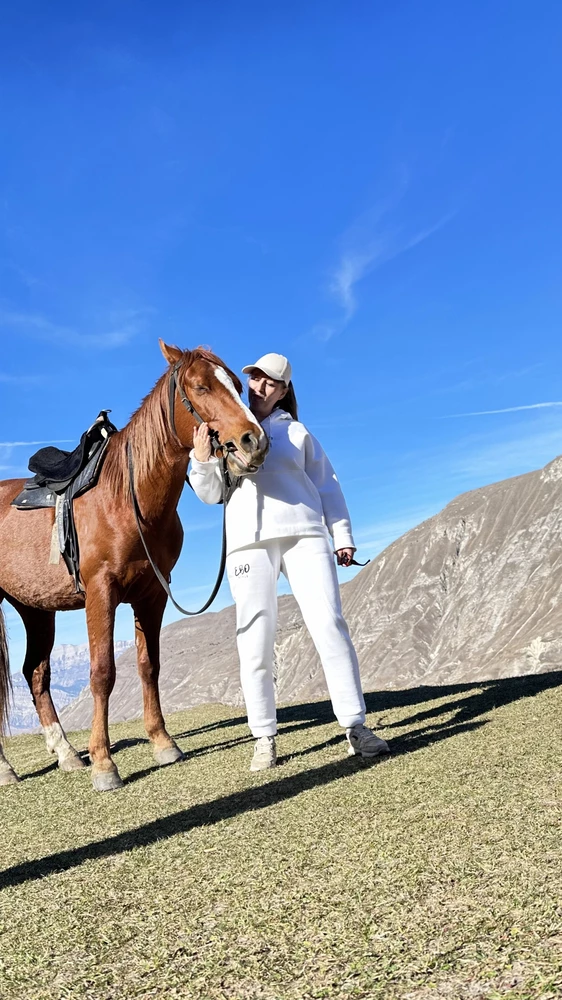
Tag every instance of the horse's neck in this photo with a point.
(160, 462)
(159, 491)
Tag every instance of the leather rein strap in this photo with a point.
(215, 445)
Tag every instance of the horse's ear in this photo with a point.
(171, 354)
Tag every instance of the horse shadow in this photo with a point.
(468, 714)
(480, 698)
(188, 755)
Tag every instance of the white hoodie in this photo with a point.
(295, 492)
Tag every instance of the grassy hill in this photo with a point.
(434, 874)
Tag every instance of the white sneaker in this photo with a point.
(265, 754)
(363, 741)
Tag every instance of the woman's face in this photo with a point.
(264, 393)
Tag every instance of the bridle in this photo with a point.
(174, 385)
(229, 484)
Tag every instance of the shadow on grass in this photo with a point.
(40, 771)
(408, 743)
(480, 699)
(188, 755)
(53, 766)
(210, 727)
(129, 743)
(205, 814)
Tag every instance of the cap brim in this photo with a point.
(248, 369)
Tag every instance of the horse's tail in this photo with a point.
(5, 679)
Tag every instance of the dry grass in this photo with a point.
(433, 875)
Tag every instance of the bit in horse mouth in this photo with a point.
(243, 461)
(246, 466)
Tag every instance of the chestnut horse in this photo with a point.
(113, 565)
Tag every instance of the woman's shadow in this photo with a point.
(464, 714)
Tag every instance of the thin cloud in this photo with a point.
(359, 261)
(24, 444)
(189, 528)
(20, 379)
(27, 279)
(488, 378)
(507, 409)
(506, 457)
(124, 326)
(367, 245)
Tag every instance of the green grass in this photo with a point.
(434, 874)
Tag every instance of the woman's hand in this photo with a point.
(202, 443)
(344, 556)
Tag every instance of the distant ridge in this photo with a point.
(472, 593)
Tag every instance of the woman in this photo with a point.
(281, 520)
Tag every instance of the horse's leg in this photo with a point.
(148, 621)
(7, 774)
(40, 632)
(100, 618)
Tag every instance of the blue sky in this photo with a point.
(369, 188)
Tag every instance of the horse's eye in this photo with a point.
(201, 389)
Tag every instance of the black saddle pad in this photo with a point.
(55, 464)
(56, 467)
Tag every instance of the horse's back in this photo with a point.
(9, 489)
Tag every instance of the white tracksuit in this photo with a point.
(281, 520)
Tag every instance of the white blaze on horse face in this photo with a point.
(226, 380)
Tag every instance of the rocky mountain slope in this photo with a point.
(70, 670)
(472, 593)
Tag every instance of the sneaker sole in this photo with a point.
(263, 767)
(351, 752)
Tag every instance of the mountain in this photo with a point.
(70, 672)
(471, 594)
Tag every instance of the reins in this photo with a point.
(227, 488)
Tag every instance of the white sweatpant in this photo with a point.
(308, 564)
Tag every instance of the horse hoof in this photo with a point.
(170, 755)
(72, 762)
(106, 781)
(8, 777)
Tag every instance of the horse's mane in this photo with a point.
(149, 429)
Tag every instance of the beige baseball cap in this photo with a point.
(274, 365)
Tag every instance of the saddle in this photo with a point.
(60, 477)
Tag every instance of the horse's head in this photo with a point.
(214, 393)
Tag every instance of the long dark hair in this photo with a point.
(289, 402)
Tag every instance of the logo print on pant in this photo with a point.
(242, 570)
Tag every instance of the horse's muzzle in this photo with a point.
(250, 454)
